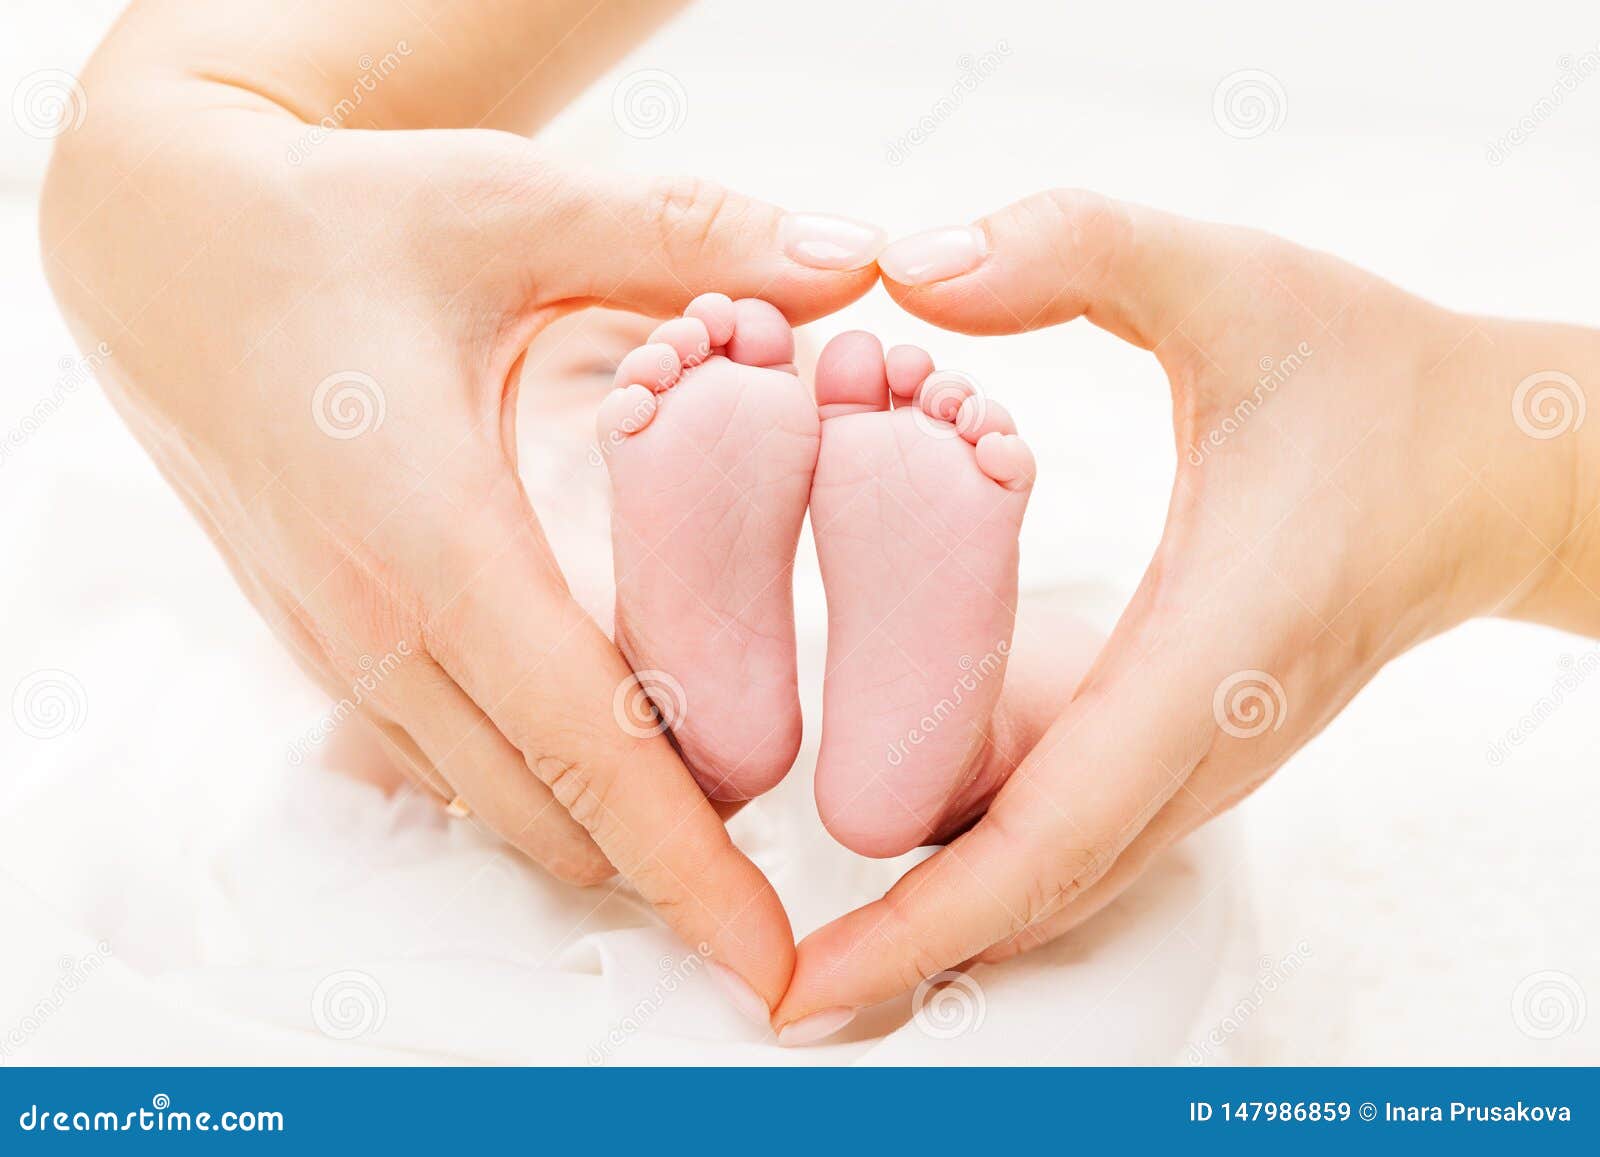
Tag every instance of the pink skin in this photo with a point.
(713, 443)
(711, 469)
(916, 520)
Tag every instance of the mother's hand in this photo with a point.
(1357, 471)
(317, 336)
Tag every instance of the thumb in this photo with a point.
(547, 680)
(652, 246)
(1062, 254)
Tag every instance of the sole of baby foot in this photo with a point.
(916, 512)
(711, 440)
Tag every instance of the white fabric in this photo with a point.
(212, 895)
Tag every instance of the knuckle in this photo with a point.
(1045, 896)
(915, 958)
(1079, 213)
(669, 903)
(1066, 868)
(1087, 231)
(1067, 875)
(567, 855)
(688, 211)
(574, 788)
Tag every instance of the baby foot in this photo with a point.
(711, 440)
(916, 513)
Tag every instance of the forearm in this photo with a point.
(369, 64)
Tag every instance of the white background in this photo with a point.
(1424, 884)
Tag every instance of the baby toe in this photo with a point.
(655, 365)
(715, 311)
(907, 366)
(1007, 459)
(941, 394)
(624, 412)
(688, 336)
(978, 416)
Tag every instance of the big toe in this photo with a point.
(851, 378)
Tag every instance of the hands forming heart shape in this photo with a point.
(326, 364)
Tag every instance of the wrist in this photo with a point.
(1531, 466)
(368, 64)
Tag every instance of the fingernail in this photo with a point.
(936, 255)
(810, 1029)
(740, 994)
(823, 241)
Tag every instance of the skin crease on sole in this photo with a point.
(712, 444)
(916, 512)
(711, 440)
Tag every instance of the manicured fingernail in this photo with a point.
(823, 241)
(810, 1029)
(740, 994)
(936, 255)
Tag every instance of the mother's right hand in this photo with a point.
(1357, 471)
(318, 342)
